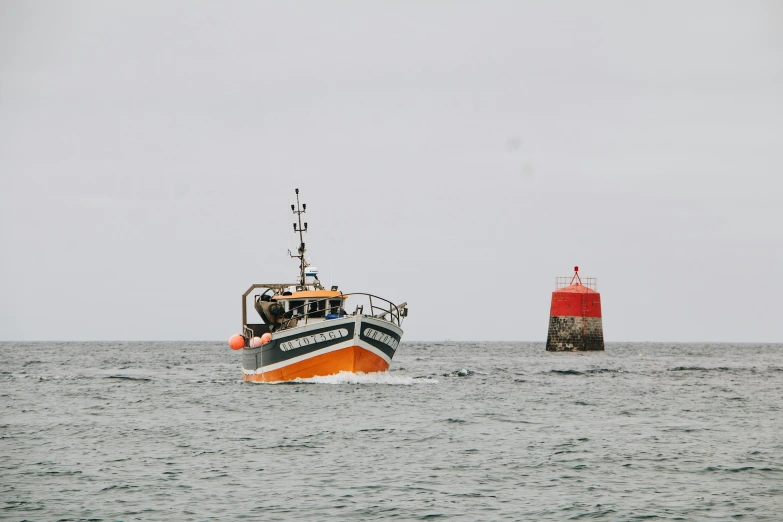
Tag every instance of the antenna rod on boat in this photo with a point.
(301, 249)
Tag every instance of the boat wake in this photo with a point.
(363, 378)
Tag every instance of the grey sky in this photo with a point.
(455, 155)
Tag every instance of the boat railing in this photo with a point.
(247, 332)
(380, 308)
(589, 282)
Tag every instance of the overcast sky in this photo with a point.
(455, 155)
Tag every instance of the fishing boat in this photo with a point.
(302, 330)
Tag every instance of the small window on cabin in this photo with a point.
(294, 305)
(334, 306)
(316, 308)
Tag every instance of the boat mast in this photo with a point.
(302, 263)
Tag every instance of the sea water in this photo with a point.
(462, 431)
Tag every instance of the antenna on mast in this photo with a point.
(301, 250)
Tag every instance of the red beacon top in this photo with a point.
(570, 297)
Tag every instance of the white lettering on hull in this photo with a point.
(381, 337)
(302, 342)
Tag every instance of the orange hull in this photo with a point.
(351, 359)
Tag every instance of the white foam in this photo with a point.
(367, 378)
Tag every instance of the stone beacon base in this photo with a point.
(575, 334)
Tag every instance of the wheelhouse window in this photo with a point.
(317, 308)
(294, 305)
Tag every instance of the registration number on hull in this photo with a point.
(302, 342)
(382, 337)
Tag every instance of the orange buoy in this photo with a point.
(266, 338)
(236, 342)
(255, 342)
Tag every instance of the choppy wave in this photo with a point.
(464, 372)
(583, 372)
(128, 378)
(565, 372)
(737, 369)
(698, 369)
